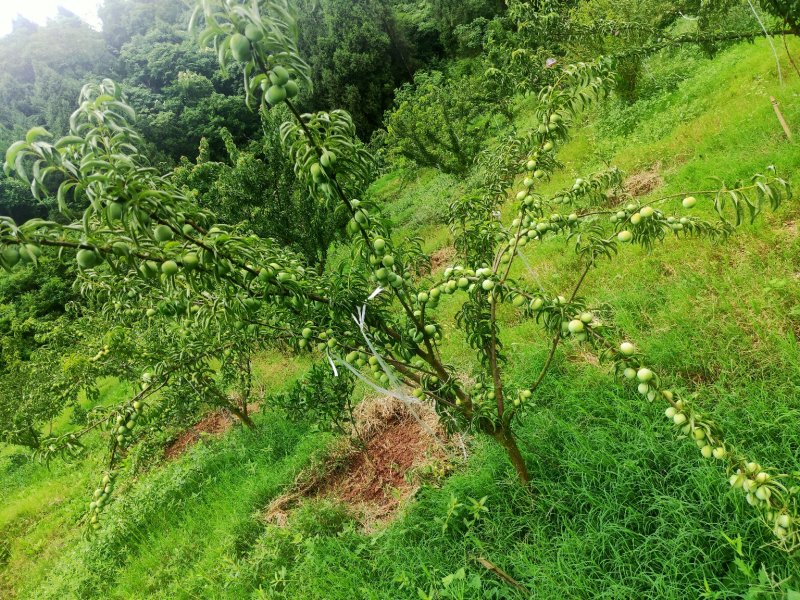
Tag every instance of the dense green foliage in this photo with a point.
(444, 122)
(274, 240)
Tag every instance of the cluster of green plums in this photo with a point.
(578, 326)
(759, 486)
(22, 253)
(551, 123)
(754, 481)
(125, 423)
(279, 86)
(100, 354)
(641, 216)
(360, 358)
(100, 499)
(528, 229)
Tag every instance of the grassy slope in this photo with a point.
(622, 508)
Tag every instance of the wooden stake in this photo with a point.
(780, 118)
(502, 574)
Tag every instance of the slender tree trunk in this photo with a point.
(506, 439)
(242, 416)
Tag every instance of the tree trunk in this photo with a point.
(506, 439)
(243, 417)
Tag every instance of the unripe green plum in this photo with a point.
(190, 261)
(625, 236)
(629, 373)
(114, 211)
(627, 349)
(679, 419)
(87, 259)
(292, 89)
(720, 452)
(380, 245)
(328, 160)
(707, 451)
(388, 261)
(784, 521)
(422, 297)
(636, 218)
(646, 212)
(487, 285)
(120, 249)
(279, 76)
(645, 375)
(240, 48)
(689, 202)
(276, 94)
(576, 326)
(253, 32)
(11, 256)
(763, 493)
(169, 268)
(162, 233)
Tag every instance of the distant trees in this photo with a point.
(442, 122)
(256, 187)
(43, 70)
(451, 15)
(358, 55)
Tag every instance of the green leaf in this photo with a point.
(35, 133)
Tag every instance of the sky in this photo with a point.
(39, 11)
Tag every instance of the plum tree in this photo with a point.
(374, 316)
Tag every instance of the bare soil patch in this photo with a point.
(442, 257)
(375, 479)
(215, 424)
(644, 182)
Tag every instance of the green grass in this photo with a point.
(621, 507)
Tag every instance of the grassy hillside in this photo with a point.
(620, 508)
